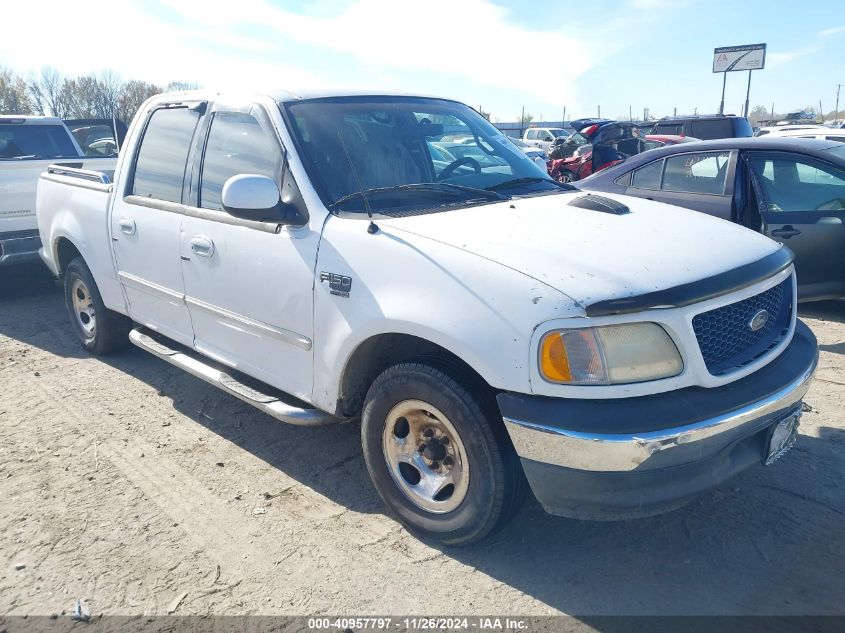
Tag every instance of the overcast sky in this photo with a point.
(499, 55)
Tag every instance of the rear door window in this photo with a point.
(703, 172)
(160, 166)
(237, 144)
(19, 141)
(648, 176)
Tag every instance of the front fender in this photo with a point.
(400, 283)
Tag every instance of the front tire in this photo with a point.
(99, 330)
(441, 463)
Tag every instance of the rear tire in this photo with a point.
(99, 330)
(442, 464)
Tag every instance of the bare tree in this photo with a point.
(45, 90)
(134, 94)
(94, 96)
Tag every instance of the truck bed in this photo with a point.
(72, 211)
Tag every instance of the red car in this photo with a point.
(608, 143)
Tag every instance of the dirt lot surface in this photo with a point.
(142, 490)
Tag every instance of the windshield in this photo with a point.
(556, 132)
(407, 153)
(32, 142)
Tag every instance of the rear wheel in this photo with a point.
(99, 330)
(441, 463)
(565, 177)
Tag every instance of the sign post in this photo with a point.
(733, 58)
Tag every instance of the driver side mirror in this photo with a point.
(253, 197)
(549, 139)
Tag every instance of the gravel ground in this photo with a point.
(142, 490)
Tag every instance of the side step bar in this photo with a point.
(203, 368)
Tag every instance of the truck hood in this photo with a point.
(592, 255)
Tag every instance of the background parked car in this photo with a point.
(563, 147)
(792, 190)
(817, 131)
(97, 137)
(28, 145)
(536, 154)
(544, 136)
(704, 126)
(609, 142)
(779, 129)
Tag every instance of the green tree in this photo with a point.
(525, 119)
(759, 113)
(14, 96)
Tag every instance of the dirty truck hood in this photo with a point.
(591, 255)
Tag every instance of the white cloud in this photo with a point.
(472, 40)
(832, 31)
(136, 45)
(784, 57)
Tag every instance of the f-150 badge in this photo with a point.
(339, 285)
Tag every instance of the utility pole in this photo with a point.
(747, 95)
(522, 123)
(675, 111)
(821, 112)
(563, 120)
(773, 110)
(722, 103)
(630, 114)
(836, 113)
(599, 110)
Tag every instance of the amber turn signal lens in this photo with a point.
(553, 361)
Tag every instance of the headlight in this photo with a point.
(610, 354)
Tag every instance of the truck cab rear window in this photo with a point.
(35, 142)
(160, 168)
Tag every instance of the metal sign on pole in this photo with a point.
(734, 58)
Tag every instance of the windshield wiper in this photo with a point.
(443, 187)
(528, 180)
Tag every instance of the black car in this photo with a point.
(706, 127)
(791, 189)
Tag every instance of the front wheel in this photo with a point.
(565, 177)
(443, 466)
(99, 330)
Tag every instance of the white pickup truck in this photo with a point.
(27, 146)
(313, 255)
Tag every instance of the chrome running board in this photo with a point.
(266, 399)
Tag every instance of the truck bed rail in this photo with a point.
(84, 174)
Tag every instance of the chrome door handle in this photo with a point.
(202, 246)
(127, 225)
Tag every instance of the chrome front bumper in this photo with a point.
(554, 444)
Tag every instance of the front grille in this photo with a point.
(724, 334)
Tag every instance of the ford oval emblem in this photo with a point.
(758, 321)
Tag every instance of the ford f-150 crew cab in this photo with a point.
(312, 255)
(27, 146)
